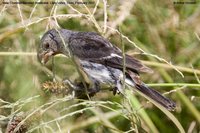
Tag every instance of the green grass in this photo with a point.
(164, 36)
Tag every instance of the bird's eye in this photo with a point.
(46, 45)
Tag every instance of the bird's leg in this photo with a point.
(95, 87)
(75, 87)
(118, 87)
(114, 90)
(79, 90)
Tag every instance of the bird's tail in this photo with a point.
(153, 94)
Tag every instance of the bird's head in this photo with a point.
(50, 45)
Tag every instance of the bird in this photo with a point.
(100, 60)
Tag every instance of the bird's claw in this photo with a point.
(115, 91)
(78, 89)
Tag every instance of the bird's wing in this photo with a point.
(94, 48)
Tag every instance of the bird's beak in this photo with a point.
(44, 56)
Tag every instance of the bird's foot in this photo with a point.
(79, 89)
(73, 86)
(115, 90)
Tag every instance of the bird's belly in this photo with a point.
(101, 73)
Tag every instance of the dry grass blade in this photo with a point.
(167, 113)
(145, 53)
(105, 16)
(169, 30)
(122, 14)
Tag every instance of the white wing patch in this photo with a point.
(115, 55)
(112, 55)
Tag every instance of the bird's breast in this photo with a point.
(101, 73)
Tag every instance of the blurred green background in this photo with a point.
(163, 28)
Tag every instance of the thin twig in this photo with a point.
(104, 120)
(75, 63)
(34, 9)
(124, 60)
(105, 16)
(54, 14)
(20, 13)
(92, 18)
(3, 9)
(122, 14)
(59, 128)
(191, 127)
(175, 90)
(95, 8)
(40, 108)
(149, 63)
(173, 85)
(195, 74)
(183, 69)
(90, 121)
(60, 118)
(145, 53)
(37, 20)
(197, 36)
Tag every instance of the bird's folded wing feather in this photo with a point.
(94, 48)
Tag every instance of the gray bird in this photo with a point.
(99, 60)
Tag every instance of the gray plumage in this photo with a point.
(99, 59)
